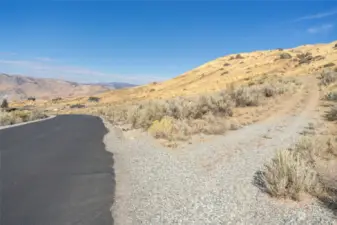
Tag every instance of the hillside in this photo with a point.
(216, 74)
(17, 87)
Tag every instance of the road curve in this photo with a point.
(56, 172)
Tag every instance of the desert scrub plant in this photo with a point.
(162, 128)
(270, 90)
(246, 96)
(9, 118)
(288, 175)
(285, 55)
(327, 77)
(331, 114)
(4, 104)
(144, 114)
(331, 96)
(115, 114)
(299, 169)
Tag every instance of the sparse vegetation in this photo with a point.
(19, 116)
(297, 171)
(331, 114)
(4, 104)
(285, 55)
(318, 58)
(93, 99)
(328, 77)
(304, 58)
(31, 99)
(55, 100)
(288, 175)
(310, 166)
(180, 118)
(238, 56)
(331, 96)
(329, 65)
(78, 106)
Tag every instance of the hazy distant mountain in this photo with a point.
(21, 87)
(116, 85)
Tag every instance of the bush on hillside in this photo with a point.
(305, 58)
(9, 118)
(329, 65)
(331, 115)
(331, 96)
(77, 106)
(328, 77)
(285, 55)
(55, 100)
(4, 104)
(31, 99)
(93, 99)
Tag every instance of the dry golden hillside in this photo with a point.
(216, 74)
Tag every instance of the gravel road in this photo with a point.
(211, 182)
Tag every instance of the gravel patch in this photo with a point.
(207, 183)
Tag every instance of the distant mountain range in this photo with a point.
(114, 85)
(18, 87)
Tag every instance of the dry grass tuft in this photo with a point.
(309, 168)
(288, 175)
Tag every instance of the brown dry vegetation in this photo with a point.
(217, 74)
(180, 118)
(9, 118)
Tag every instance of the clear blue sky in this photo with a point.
(142, 41)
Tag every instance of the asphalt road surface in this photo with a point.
(56, 172)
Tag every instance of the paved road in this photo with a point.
(56, 172)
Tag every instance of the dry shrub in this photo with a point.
(209, 124)
(285, 55)
(288, 175)
(307, 168)
(162, 128)
(246, 96)
(331, 64)
(328, 77)
(143, 115)
(331, 115)
(9, 118)
(331, 96)
(190, 115)
(270, 90)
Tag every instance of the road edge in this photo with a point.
(116, 143)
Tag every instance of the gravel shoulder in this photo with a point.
(210, 182)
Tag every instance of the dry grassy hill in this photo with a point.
(217, 74)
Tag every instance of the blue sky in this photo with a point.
(143, 41)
